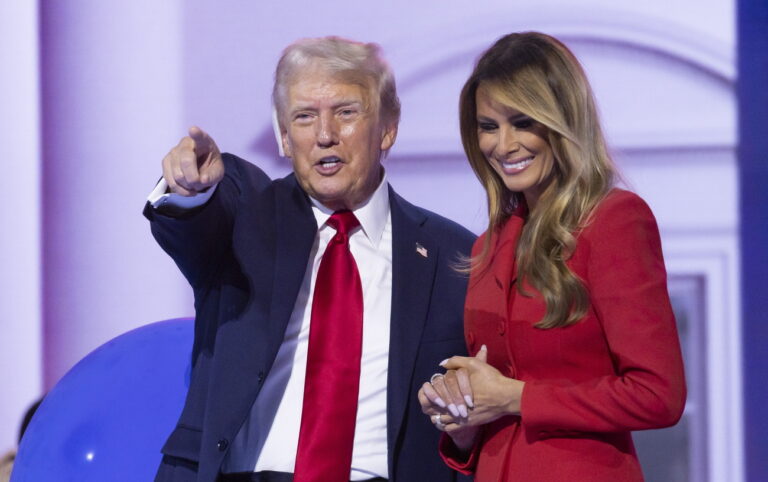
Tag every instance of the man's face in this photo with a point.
(335, 138)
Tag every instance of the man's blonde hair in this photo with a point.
(350, 61)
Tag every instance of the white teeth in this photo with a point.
(330, 161)
(517, 165)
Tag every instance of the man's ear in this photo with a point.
(280, 134)
(388, 136)
(286, 143)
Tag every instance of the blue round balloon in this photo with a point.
(108, 417)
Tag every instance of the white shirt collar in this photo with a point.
(372, 214)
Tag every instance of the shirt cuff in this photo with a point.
(160, 197)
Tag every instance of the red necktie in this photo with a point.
(333, 363)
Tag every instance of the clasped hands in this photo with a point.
(469, 394)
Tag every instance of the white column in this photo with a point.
(20, 319)
(112, 90)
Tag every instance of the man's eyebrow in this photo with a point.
(311, 106)
(345, 103)
(302, 106)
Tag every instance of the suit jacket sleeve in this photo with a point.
(627, 286)
(199, 239)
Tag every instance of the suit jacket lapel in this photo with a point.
(281, 249)
(251, 346)
(295, 235)
(413, 276)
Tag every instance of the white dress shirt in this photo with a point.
(269, 437)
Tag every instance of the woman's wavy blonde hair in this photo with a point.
(537, 75)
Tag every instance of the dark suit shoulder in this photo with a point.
(437, 225)
(443, 226)
(242, 175)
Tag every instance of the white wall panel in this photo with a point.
(20, 318)
(112, 109)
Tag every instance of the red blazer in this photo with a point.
(588, 384)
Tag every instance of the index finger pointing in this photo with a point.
(203, 142)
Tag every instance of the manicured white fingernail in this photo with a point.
(442, 363)
(463, 411)
(439, 401)
(469, 401)
(484, 348)
(454, 411)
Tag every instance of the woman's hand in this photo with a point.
(447, 400)
(434, 406)
(488, 394)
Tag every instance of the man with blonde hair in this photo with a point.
(323, 299)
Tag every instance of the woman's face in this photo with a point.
(515, 146)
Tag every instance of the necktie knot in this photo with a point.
(343, 222)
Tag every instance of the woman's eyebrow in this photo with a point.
(519, 116)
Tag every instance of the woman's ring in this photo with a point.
(438, 423)
(435, 377)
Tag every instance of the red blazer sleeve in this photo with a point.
(626, 280)
(463, 463)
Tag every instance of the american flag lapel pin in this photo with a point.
(421, 250)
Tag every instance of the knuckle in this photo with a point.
(186, 160)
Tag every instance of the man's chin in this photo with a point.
(335, 200)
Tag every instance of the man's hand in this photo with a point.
(194, 164)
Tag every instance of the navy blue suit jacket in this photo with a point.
(245, 254)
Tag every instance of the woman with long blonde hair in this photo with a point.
(567, 310)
